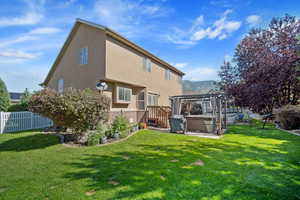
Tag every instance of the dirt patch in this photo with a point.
(126, 157)
(112, 182)
(162, 177)
(198, 163)
(3, 189)
(90, 193)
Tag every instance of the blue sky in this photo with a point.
(194, 35)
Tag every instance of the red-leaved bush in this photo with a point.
(79, 110)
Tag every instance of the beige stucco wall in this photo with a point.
(82, 76)
(114, 62)
(126, 65)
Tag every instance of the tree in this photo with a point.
(228, 77)
(266, 65)
(4, 97)
(25, 97)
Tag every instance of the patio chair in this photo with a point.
(177, 124)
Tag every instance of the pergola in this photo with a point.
(203, 112)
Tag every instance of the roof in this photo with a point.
(112, 34)
(15, 95)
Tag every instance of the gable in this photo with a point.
(67, 65)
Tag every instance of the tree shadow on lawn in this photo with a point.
(231, 170)
(29, 142)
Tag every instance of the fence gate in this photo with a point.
(20, 121)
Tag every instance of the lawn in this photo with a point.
(247, 163)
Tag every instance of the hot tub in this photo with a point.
(200, 123)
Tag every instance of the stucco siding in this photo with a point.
(126, 65)
(76, 75)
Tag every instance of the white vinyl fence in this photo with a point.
(20, 121)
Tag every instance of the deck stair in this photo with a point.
(158, 116)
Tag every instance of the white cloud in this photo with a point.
(32, 15)
(201, 74)
(253, 20)
(18, 54)
(127, 17)
(200, 34)
(44, 30)
(220, 29)
(32, 35)
(19, 39)
(180, 65)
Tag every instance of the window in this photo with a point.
(123, 95)
(60, 85)
(179, 79)
(83, 56)
(141, 101)
(152, 100)
(147, 65)
(167, 74)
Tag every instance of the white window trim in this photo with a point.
(147, 65)
(152, 94)
(139, 101)
(117, 95)
(84, 60)
(180, 81)
(167, 74)
(60, 85)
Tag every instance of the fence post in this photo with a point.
(31, 117)
(1, 123)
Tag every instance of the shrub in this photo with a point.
(4, 97)
(120, 124)
(18, 107)
(289, 117)
(75, 109)
(93, 138)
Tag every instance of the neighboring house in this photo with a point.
(15, 97)
(135, 77)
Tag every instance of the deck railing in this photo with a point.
(158, 116)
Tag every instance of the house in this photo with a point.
(15, 97)
(135, 77)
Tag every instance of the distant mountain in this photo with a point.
(199, 87)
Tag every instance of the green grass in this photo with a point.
(247, 163)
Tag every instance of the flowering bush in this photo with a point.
(79, 110)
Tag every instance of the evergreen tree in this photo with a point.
(4, 97)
